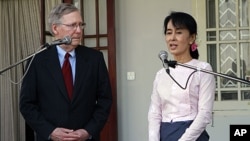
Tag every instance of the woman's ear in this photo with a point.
(192, 39)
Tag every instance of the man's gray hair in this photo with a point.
(57, 12)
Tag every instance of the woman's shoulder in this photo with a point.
(200, 64)
(161, 72)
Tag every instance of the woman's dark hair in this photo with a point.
(186, 21)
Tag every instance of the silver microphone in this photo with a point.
(163, 55)
(66, 40)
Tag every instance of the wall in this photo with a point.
(139, 35)
(220, 127)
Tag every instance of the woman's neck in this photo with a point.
(183, 59)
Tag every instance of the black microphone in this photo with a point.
(66, 40)
(163, 55)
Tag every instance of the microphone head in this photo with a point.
(163, 55)
(67, 40)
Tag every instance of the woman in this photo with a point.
(176, 112)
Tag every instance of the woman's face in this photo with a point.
(178, 40)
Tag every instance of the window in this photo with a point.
(225, 40)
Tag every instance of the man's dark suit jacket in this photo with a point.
(45, 105)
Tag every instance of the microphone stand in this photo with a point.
(174, 63)
(44, 47)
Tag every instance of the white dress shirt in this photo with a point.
(170, 103)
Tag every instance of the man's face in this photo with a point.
(71, 25)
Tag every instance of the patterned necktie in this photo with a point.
(67, 74)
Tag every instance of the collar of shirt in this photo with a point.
(72, 59)
(61, 54)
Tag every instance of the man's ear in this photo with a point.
(54, 29)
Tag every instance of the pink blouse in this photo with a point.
(169, 102)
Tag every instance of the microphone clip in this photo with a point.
(171, 63)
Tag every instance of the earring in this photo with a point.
(193, 46)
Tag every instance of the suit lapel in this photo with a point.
(53, 65)
(82, 65)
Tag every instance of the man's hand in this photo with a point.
(63, 134)
(84, 135)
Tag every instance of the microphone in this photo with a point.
(66, 40)
(163, 55)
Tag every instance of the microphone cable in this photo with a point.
(26, 70)
(65, 40)
(186, 82)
